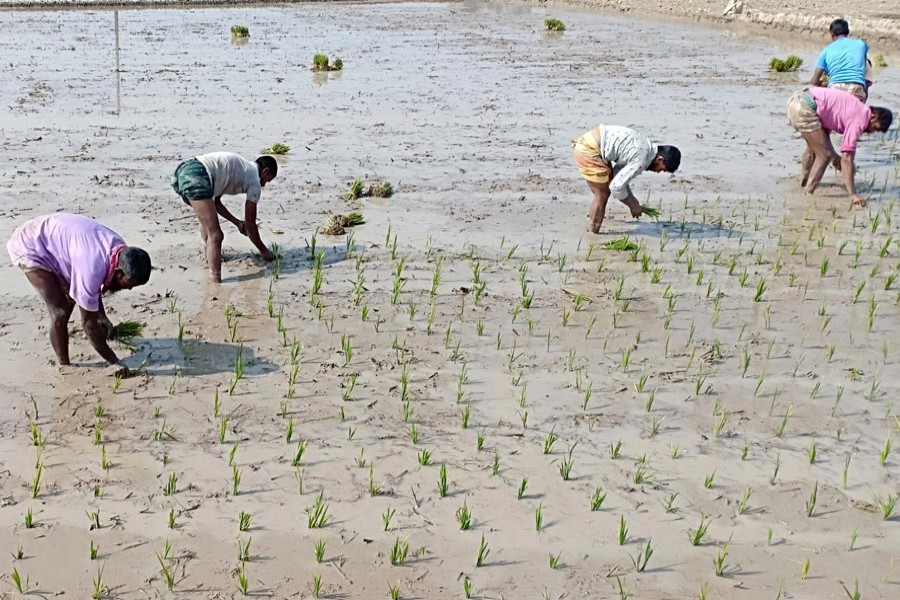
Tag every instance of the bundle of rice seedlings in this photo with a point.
(383, 190)
(277, 148)
(878, 61)
(322, 63)
(127, 330)
(356, 190)
(240, 31)
(651, 212)
(622, 244)
(787, 65)
(554, 25)
(338, 224)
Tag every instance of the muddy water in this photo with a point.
(466, 96)
(469, 106)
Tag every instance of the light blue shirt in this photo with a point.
(844, 61)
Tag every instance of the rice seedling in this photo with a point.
(696, 536)
(669, 504)
(36, 481)
(779, 432)
(171, 518)
(565, 468)
(94, 518)
(442, 481)
(483, 552)
(615, 449)
(811, 503)
(167, 573)
(241, 576)
(240, 31)
(394, 591)
(29, 519)
(708, 481)
(623, 531)
(467, 587)
(719, 561)
(317, 514)
(597, 499)
(642, 558)
(399, 551)
(855, 594)
(885, 451)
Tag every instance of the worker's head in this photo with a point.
(268, 169)
(667, 160)
(880, 119)
(839, 28)
(132, 270)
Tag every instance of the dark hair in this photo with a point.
(135, 264)
(885, 117)
(671, 156)
(839, 27)
(268, 162)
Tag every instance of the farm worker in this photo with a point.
(73, 260)
(817, 111)
(610, 157)
(203, 180)
(844, 61)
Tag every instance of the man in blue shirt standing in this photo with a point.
(844, 61)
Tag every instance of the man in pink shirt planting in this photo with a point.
(73, 260)
(815, 113)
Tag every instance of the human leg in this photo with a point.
(597, 212)
(819, 145)
(60, 307)
(212, 235)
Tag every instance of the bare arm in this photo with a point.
(226, 214)
(817, 77)
(847, 159)
(252, 231)
(96, 333)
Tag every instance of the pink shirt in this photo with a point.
(841, 112)
(76, 248)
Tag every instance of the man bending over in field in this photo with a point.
(73, 260)
(610, 157)
(817, 111)
(203, 180)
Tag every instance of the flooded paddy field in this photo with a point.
(470, 350)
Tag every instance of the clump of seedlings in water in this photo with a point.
(240, 31)
(321, 62)
(786, 65)
(277, 148)
(554, 25)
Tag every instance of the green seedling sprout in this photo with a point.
(464, 517)
(554, 25)
(244, 520)
(642, 558)
(811, 503)
(623, 531)
(597, 499)
(386, 518)
(565, 468)
(442, 481)
(317, 514)
(399, 551)
(483, 551)
(696, 536)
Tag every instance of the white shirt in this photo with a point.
(629, 153)
(231, 174)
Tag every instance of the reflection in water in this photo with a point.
(322, 77)
(240, 40)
